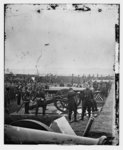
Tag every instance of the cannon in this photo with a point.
(61, 102)
(20, 135)
(59, 99)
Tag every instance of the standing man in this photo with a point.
(26, 99)
(95, 85)
(72, 106)
(94, 105)
(7, 100)
(87, 97)
(7, 96)
(41, 101)
(18, 96)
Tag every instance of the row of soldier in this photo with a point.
(88, 103)
(27, 94)
(12, 89)
(87, 97)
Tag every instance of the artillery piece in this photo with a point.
(61, 102)
(59, 99)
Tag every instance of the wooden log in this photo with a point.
(88, 126)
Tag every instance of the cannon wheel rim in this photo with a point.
(63, 106)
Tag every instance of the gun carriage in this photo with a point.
(58, 97)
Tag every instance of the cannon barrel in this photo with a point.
(19, 135)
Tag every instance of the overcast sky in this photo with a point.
(61, 41)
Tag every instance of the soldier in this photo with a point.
(94, 105)
(86, 97)
(103, 90)
(41, 101)
(7, 100)
(72, 106)
(7, 96)
(26, 99)
(18, 96)
(95, 85)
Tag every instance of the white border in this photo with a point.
(61, 1)
(32, 147)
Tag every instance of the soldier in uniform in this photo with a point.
(7, 100)
(72, 106)
(18, 96)
(7, 96)
(103, 90)
(95, 86)
(86, 97)
(41, 101)
(26, 100)
(94, 105)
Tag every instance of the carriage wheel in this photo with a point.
(62, 104)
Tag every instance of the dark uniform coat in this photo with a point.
(26, 99)
(72, 106)
(41, 101)
(87, 97)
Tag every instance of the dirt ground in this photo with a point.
(51, 114)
